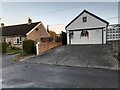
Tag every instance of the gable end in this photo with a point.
(89, 14)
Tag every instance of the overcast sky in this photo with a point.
(51, 13)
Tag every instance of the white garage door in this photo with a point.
(95, 37)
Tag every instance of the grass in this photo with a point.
(117, 56)
(14, 51)
(20, 54)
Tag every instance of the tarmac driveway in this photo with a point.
(99, 56)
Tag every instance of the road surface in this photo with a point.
(26, 75)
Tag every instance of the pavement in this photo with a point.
(27, 75)
(94, 56)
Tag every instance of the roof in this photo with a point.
(21, 29)
(85, 11)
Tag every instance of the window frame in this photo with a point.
(4, 39)
(18, 40)
(84, 19)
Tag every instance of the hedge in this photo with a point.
(4, 47)
(29, 46)
(119, 56)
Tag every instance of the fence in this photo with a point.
(44, 46)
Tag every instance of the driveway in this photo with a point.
(99, 56)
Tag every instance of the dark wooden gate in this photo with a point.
(64, 38)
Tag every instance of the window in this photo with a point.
(119, 35)
(18, 40)
(84, 19)
(43, 39)
(4, 39)
(111, 30)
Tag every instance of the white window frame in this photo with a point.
(84, 19)
(4, 39)
(18, 38)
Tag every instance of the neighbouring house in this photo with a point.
(113, 36)
(87, 28)
(16, 34)
(113, 32)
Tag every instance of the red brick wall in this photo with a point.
(44, 46)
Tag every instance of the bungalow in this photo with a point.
(87, 28)
(16, 34)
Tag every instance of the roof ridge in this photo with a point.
(95, 16)
(20, 29)
(21, 24)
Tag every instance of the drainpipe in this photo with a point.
(37, 48)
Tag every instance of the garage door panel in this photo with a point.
(95, 37)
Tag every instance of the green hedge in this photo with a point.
(119, 56)
(4, 47)
(57, 39)
(29, 46)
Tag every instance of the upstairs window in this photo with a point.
(84, 19)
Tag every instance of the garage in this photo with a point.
(86, 28)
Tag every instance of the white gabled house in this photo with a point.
(87, 28)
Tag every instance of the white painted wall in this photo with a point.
(95, 37)
(92, 22)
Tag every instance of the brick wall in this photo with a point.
(44, 46)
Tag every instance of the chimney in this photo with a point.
(29, 21)
(2, 25)
(48, 28)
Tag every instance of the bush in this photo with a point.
(4, 47)
(119, 56)
(57, 39)
(28, 46)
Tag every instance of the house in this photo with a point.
(16, 34)
(113, 32)
(87, 28)
(113, 36)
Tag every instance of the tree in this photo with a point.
(52, 35)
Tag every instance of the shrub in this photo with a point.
(28, 46)
(4, 47)
(57, 39)
(0, 47)
(119, 56)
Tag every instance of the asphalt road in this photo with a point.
(7, 60)
(24, 75)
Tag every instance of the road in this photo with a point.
(24, 75)
(7, 60)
